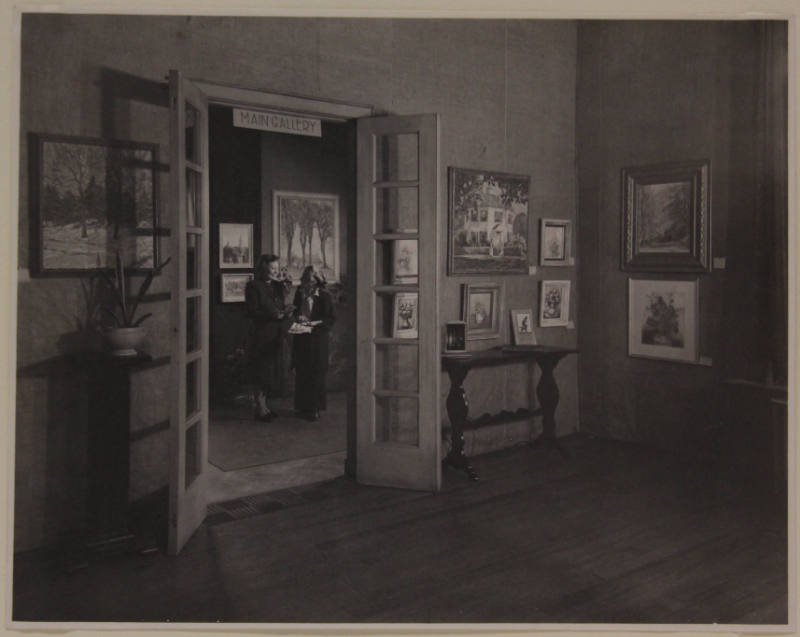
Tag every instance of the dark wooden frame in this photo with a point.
(698, 256)
(36, 143)
(496, 290)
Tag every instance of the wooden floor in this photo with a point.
(616, 533)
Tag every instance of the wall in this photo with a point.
(505, 91)
(651, 93)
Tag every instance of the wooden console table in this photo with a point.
(457, 368)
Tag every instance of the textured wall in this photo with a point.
(505, 91)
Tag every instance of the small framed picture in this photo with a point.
(405, 261)
(455, 339)
(555, 242)
(663, 319)
(522, 327)
(554, 304)
(406, 315)
(481, 309)
(233, 285)
(236, 245)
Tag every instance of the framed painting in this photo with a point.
(405, 261)
(91, 198)
(405, 315)
(305, 231)
(554, 304)
(455, 340)
(555, 242)
(522, 327)
(666, 224)
(236, 245)
(233, 285)
(488, 222)
(481, 309)
(663, 319)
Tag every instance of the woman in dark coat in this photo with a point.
(313, 305)
(270, 318)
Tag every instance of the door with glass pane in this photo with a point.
(397, 397)
(190, 302)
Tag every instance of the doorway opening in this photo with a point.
(247, 167)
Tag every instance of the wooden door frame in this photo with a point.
(326, 110)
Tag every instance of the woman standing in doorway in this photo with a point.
(270, 317)
(314, 308)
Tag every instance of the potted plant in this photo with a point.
(126, 333)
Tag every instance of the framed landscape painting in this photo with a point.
(91, 198)
(236, 245)
(666, 225)
(663, 319)
(554, 304)
(233, 285)
(488, 222)
(306, 232)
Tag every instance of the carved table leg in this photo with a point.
(457, 409)
(547, 391)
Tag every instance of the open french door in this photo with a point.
(398, 339)
(189, 210)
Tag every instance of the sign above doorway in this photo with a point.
(277, 122)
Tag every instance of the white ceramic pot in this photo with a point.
(125, 340)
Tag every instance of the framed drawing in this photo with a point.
(455, 341)
(663, 319)
(554, 304)
(236, 245)
(555, 242)
(405, 261)
(666, 224)
(406, 315)
(488, 222)
(91, 198)
(522, 327)
(305, 231)
(481, 310)
(233, 286)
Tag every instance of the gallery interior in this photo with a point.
(558, 254)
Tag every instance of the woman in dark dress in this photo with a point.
(313, 305)
(270, 318)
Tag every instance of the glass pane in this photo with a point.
(192, 324)
(192, 395)
(192, 261)
(192, 133)
(396, 315)
(396, 210)
(397, 367)
(396, 420)
(192, 468)
(193, 217)
(396, 262)
(396, 157)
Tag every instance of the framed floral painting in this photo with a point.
(554, 304)
(481, 309)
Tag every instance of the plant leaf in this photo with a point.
(146, 286)
(141, 319)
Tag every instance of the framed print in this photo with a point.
(663, 319)
(555, 242)
(554, 304)
(236, 245)
(305, 231)
(488, 222)
(480, 310)
(666, 224)
(455, 341)
(233, 285)
(405, 261)
(522, 327)
(91, 198)
(406, 315)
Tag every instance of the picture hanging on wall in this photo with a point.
(236, 245)
(405, 261)
(91, 199)
(666, 224)
(481, 309)
(406, 315)
(233, 286)
(663, 319)
(305, 231)
(522, 327)
(554, 304)
(488, 222)
(555, 242)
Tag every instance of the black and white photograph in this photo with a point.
(286, 353)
